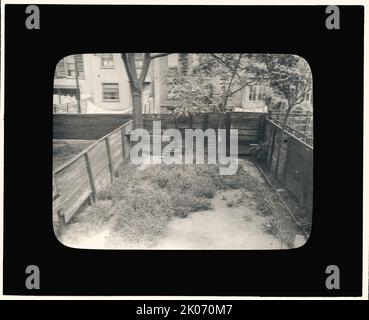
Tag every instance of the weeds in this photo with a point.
(142, 202)
(272, 227)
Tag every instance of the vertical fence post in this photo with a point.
(261, 127)
(304, 187)
(228, 132)
(110, 162)
(67, 107)
(59, 214)
(286, 160)
(90, 178)
(204, 128)
(122, 133)
(272, 147)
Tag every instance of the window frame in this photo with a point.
(252, 93)
(107, 66)
(103, 98)
(66, 70)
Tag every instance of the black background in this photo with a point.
(336, 60)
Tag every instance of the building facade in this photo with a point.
(103, 79)
(103, 82)
(253, 98)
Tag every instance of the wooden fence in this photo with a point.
(86, 126)
(250, 125)
(299, 124)
(93, 126)
(80, 178)
(71, 107)
(295, 168)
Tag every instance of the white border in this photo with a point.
(197, 2)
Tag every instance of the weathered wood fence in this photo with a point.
(71, 107)
(250, 125)
(86, 126)
(80, 178)
(295, 168)
(299, 124)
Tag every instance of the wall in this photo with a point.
(95, 75)
(98, 75)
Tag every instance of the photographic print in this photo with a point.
(183, 151)
(166, 152)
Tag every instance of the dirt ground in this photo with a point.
(227, 225)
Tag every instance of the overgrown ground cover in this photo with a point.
(141, 203)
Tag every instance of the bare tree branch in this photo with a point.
(230, 83)
(243, 86)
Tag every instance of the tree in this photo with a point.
(136, 81)
(211, 85)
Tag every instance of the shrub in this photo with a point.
(271, 226)
(265, 205)
(183, 204)
(94, 217)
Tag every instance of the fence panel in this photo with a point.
(88, 172)
(74, 187)
(250, 125)
(295, 168)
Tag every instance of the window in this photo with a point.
(261, 94)
(173, 63)
(70, 64)
(107, 60)
(110, 91)
(80, 68)
(60, 69)
(252, 93)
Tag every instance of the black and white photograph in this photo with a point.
(115, 187)
(183, 151)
